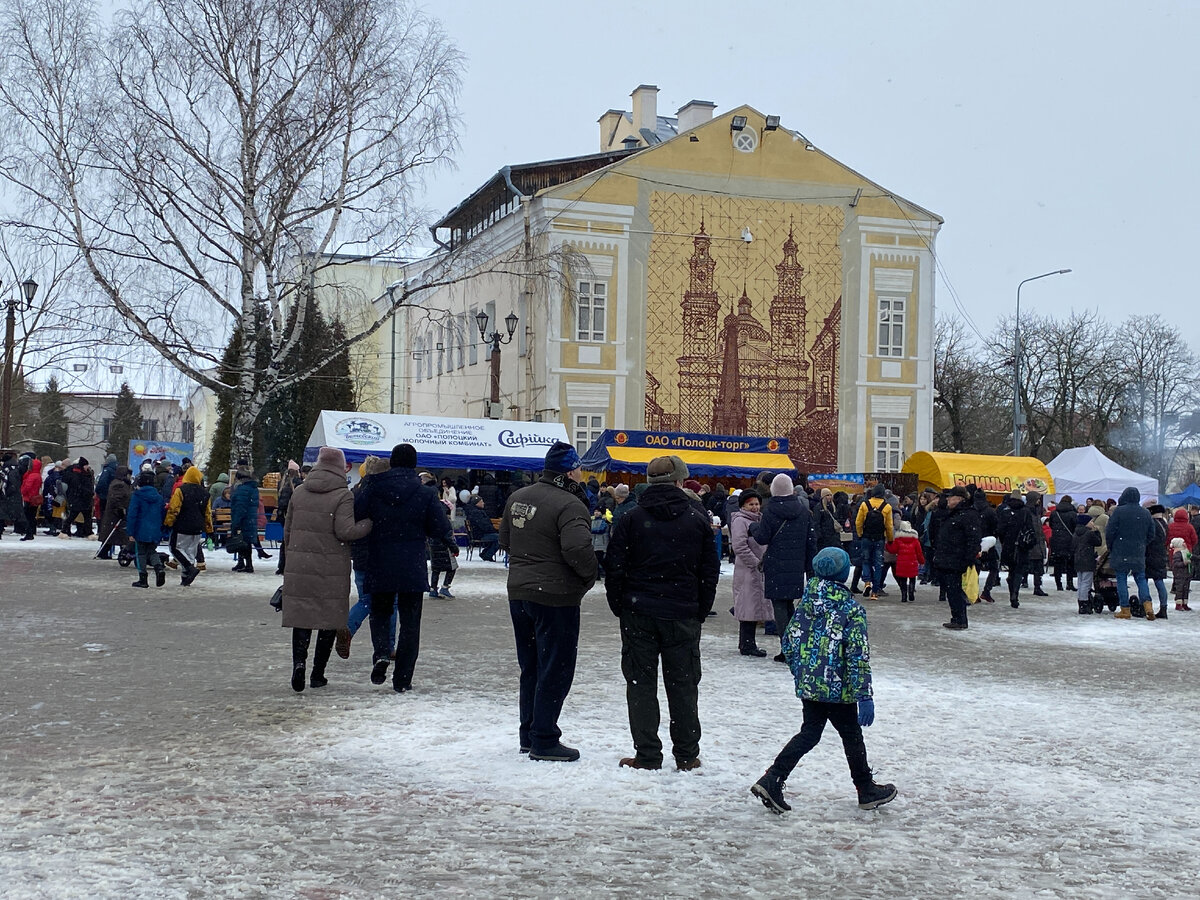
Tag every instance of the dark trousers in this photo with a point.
(784, 610)
(148, 555)
(449, 573)
(844, 717)
(991, 565)
(85, 528)
(955, 595)
(908, 589)
(1016, 577)
(644, 639)
(31, 511)
(408, 631)
(300, 639)
(746, 634)
(547, 643)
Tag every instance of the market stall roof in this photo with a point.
(1086, 472)
(442, 443)
(706, 455)
(1189, 496)
(994, 474)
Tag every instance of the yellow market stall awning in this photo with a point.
(994, 474)
(706, 455)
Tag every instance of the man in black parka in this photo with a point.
(661, 574)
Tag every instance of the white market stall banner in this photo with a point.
(441, 442)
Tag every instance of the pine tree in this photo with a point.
(126, 423)
(51, 430)
(288, 419)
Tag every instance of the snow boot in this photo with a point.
(141, 582)
(379, 672)
(342, 643)
(769, 790)
(558, 753)
(240, 567)
(632, 762)
(1179, 607)
(160, 575)
(1136, 609)
(873, 796)
(249, 570)
(1123, 613)
(1085, 608)
(1071, 584)
(1058, 583)
(318, 681)
(1162, 613)
(190, 575)
(298, 677)
(1148, 611)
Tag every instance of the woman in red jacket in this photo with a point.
(31, 496)
(909, 559)
(1181, 527)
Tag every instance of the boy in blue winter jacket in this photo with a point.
(826, 648)
(144, 524)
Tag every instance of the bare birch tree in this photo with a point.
(205, 156)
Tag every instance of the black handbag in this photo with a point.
(277, 599)
(236, 544)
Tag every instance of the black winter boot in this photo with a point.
(1085, 608)
(160, 575)
(873, 796)
(142, 581)
(769, 790)
(1058, 583)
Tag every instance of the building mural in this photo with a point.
(746, 333)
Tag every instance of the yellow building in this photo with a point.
(699, 274)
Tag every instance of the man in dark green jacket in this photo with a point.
(547, 532)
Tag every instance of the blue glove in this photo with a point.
(866, 713)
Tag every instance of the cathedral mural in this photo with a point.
(744, 335)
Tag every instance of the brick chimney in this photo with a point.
(694, 113)
(645, 107)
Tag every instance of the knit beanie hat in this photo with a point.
(781, 486)
(404, 456)
(746, 496)
(666, 470)
(561, 458)
(1082, 519)
(293, 466)
(693, 485)
(146, 479)
(832, 563)
(621, 490)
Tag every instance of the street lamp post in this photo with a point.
(495, 339)
(1018, 418)
(25, 302)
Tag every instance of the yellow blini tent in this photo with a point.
(993, 474)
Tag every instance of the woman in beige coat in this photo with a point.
(317, 533)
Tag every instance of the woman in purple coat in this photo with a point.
(750, 606)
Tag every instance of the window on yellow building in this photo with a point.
(891, 326)
(588, 428)
(592, 299)
(889, 448)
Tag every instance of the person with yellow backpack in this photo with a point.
(874, 527)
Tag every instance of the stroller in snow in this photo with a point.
(125, 554)
(1104, 587)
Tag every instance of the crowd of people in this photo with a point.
(802, 560)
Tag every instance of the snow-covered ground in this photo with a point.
(151, 747)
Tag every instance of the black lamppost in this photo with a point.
(1018, 417)
(495, 339)
(25, 303)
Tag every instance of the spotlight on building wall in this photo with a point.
(737, 123)
(746, 235)
(772, 123)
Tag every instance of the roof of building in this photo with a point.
(498, 195)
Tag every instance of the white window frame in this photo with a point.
(587, 427)
(429, 355)
(889, 447)
(441, 346)
(891, 328)
(591, 300)
(460, 338)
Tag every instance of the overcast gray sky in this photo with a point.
(1048, 135)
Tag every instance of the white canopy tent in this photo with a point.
(1083, 472)
(442, 443)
